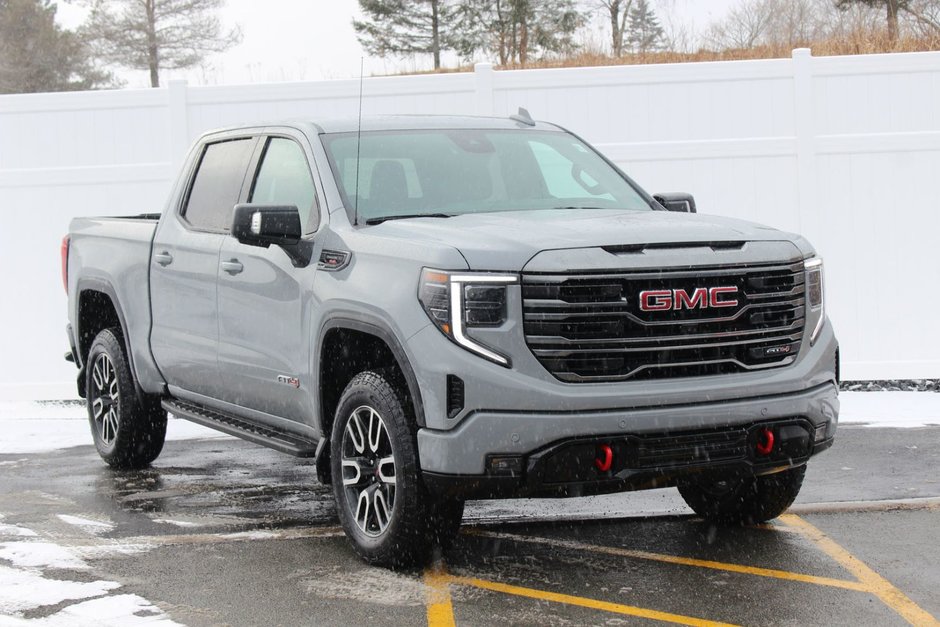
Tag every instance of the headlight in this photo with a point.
(815, 294)
(458, 301)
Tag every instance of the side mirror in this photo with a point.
(263, 225)
(676, 201)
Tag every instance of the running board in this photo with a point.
(241, 428)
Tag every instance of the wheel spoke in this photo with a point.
(375, 430)
(382, 514)
(98, 376)
(97, 407)
(386, 467)
(356, 436)
(362, 511)
(355, 467)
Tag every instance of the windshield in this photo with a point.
(451, 172)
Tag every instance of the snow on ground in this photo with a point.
(31, 427)
(890, 409)
(25, 586)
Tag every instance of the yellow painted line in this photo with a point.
(594, 604)
(437, 592)
(684, 561)
(875, 583)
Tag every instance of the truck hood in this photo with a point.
(558, 240)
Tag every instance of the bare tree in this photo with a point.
(892, 9)
(157, 35)
(618, 11)
(745, 26)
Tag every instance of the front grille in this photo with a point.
(589, 328)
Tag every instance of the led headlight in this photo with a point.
(458, 301)
(815, 295)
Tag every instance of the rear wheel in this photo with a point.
(128, 430)
(386, 512)
(744, 500)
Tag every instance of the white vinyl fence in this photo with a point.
(845, 150)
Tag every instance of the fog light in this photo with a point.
(820, 434)
(505, 466)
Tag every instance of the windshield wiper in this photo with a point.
(382, 219)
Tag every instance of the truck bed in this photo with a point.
(112, 255)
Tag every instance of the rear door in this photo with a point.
(185, 264)
(264, 300)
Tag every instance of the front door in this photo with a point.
(264, 301)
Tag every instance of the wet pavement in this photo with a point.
(224, 532)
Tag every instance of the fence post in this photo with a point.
(804, 120)
(483, 74)
(179, 122)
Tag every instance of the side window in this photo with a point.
(284, 179)
(218, 183)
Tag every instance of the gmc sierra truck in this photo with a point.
(437, 309)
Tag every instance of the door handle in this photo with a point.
(164, 258)
(233, 266)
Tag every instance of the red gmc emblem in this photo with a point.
(700, 298)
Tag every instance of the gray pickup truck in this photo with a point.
(437, 309)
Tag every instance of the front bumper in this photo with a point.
(459, 461)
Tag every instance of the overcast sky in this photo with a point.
(287, 40)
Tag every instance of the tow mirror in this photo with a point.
(676, 201)
(263, 225)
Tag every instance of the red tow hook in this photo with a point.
(766, 443)
(605, 457)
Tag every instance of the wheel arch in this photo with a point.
(379, 347)
(97, 308)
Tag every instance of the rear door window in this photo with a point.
(284, 178)
(217, 184)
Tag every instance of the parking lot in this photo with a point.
(223, 532)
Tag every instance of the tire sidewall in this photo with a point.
(373, 390)
(107, 343)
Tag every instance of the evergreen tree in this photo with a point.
(395, 27)
(644, 32)
(36, 55)
(156, 35)
(515, 31)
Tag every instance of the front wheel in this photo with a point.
(386, 512)
(128, 429)
(744, 500)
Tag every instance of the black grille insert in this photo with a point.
(590, 328)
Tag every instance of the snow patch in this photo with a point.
(16, 531)
(88, 525)
(177, 523)
(123, 610)
(31, 427)
(26, 590)
(890, 409)
(40, 555)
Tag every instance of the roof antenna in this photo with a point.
(523, 117)
(358, 143)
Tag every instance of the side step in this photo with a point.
(241, 428)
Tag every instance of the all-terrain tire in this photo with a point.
(388, 516)
(128, 428)
(749, 500)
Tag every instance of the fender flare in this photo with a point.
(366, 323)
(104, 287)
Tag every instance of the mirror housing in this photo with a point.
(676, 201)
(263, 225)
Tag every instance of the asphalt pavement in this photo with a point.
(221, 532)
